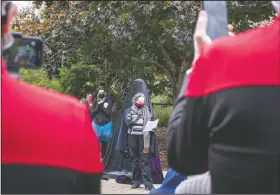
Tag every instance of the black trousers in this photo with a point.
(144, 174)
(103, 148)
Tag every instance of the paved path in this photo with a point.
(112, 187)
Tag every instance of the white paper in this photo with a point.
(105, 105)
(151, 125)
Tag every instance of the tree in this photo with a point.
(125, 40)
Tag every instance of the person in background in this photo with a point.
(51, 148)
(101, 118)
(230, 124)
(136, 119)
(89, 99)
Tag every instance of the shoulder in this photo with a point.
(128, 110)
(56, 108)
(57, 122)
(229, 61)
(242, 41)
(147, 109)
(108, 100)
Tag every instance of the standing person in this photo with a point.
(230, 123)
(89, 99)
(136, 119)
(51, 148)
(101, 114)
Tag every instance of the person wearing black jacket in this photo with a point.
(101, 115)
(230, 123)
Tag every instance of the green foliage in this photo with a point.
(39, 78)
(242, 14)
(162, 112)
(79, 79)
(111, 43)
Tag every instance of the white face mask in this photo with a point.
(276, 5)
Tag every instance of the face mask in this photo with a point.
(140, 102)
(139, 105)
(101, 96)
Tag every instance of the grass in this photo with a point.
(162, 113)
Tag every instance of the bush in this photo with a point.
(39, 78)
(162, 112)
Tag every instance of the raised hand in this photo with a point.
(200, 35)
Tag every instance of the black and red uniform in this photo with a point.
(231, 119)
(48, 144)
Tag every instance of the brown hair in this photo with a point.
(98, 89)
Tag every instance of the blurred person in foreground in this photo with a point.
(230, 123)
(51, 148)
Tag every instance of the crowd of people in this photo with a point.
(224, 129)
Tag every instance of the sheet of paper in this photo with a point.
(151, 125)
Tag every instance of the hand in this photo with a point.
(200, 37)
(146, 151)
(100, 102)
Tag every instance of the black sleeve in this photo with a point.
(94, 110)
(107, 111)
(188, 139)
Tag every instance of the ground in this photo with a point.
(162, 140)
(111, 187)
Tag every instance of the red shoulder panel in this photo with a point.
(249, 59)
(40, 127)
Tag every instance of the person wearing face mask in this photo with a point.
(101, 118)
(52, 148)
(136, 119)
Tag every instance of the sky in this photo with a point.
(22, 4)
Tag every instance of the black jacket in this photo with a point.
(101, 114)
(229, 122)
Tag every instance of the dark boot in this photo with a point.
(149, 187)
(135, 185)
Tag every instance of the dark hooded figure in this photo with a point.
(123, 144)
(136, 118)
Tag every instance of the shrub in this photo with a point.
(162, 112)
